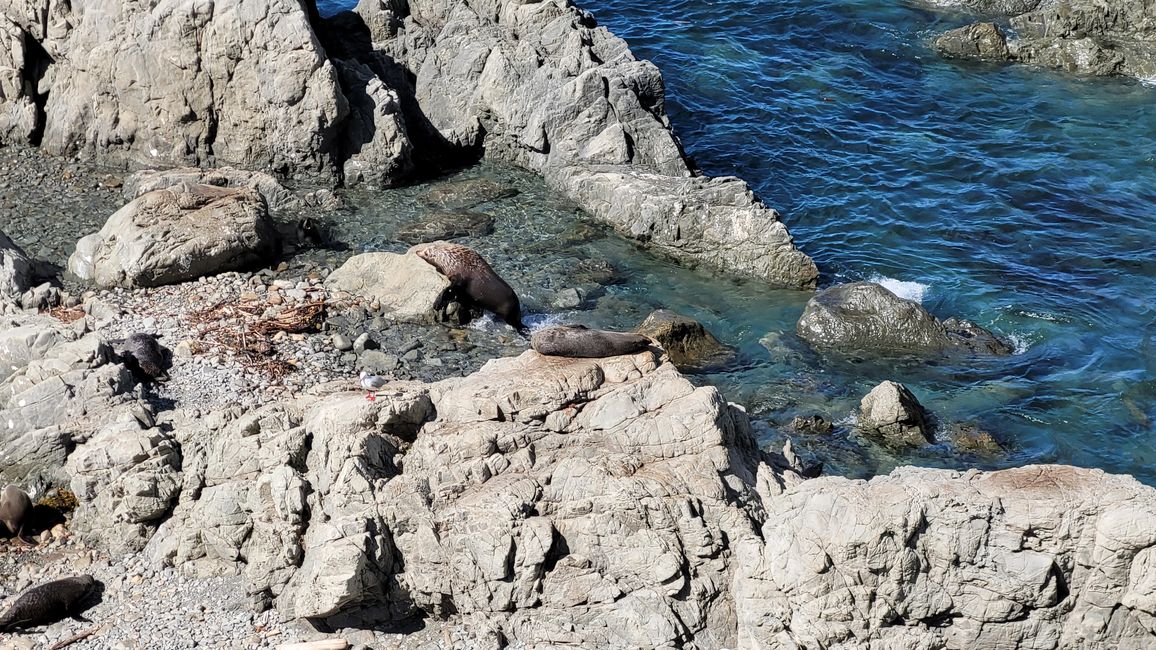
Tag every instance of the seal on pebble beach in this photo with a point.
(47, 603)
(474, 279)
(15, 507)
(144, 356)
(583, 342)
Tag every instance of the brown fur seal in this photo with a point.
(144, 356)
(15, 507)
(474, 278)
(581, 341)
(47, 603)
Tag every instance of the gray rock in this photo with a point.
(716, 222)
(928, 558)
(375, 146)
(18, 114)
(465, 194)
(446, 225)
(1086, 37)
(408, 288)
(342, 343)
(688, 343)
(891, 412)
(15, 267)
(865, 318)
(376, 361)
(261, 93)
(177, 234)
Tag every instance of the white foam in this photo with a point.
(1148, 81)
(902, 288)
(1019, 343)
(538, 321)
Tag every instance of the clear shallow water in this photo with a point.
(1021, 199)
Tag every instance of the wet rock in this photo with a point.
(865, 318)
(276, 196)
(178, 234)
(966, 560)
(408, 288)
(970, 438)
(983, 41)
(15, 267)
(892, 412)
(1086, 37)
(437, 226)
(715, 222)
(689, 344)
(812, 425)
(465, 194)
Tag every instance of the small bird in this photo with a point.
(372, 383)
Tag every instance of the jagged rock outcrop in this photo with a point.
(15, 269)
(1042, 556)
(375, 146)
(177, 234)
(891, 412)
(712, 222)
(866, 318)
(58, 384)
(1089, 37)
(408, 288)
(18, 112)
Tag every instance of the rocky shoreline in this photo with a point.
(487, 495)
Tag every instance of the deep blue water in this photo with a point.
(1022, 199)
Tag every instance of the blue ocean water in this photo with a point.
(1022, 199)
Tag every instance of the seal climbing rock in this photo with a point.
(144, 356)
(15, 506)
(47, 603)
(581, 341)
(474, 279)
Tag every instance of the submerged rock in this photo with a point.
(865, 318)
(465, 194)
(689, 344)
(445, 225)
(892, 412)
(177, 234)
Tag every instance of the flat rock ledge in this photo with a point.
(611, 503)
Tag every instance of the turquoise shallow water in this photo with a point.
(1021, 199)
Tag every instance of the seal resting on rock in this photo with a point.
(583, 342)
(474, 279)
(15, 506)
(47, 603)
(144, 356)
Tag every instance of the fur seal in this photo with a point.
(47, 603)
(144, 356)
(583, 342)
(475, 280)
(15, 507)
(311, 232)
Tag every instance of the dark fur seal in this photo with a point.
(581, 341)
(474, 278)
(144, 356)
(47, 603)
(311, 232)
(15, 507)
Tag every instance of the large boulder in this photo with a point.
(866, 318)
(408, 288)
(1042, 556)
(712, 222)
(689, 344)
(252, 86)
(375, 147)
(891, 412)
(1087, 37)
(15, 268)
(177, 234)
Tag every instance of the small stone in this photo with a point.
(342, 343)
